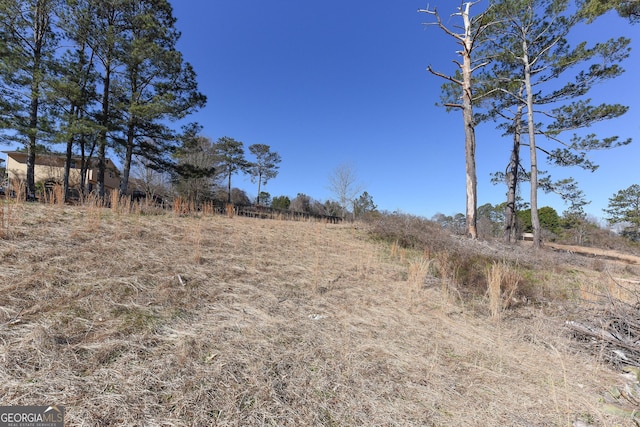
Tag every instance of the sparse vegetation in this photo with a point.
(198, 319)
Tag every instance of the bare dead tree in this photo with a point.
(343, 183)
(466, 36)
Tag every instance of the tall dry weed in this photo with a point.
(197, 242)
(115, 201)
(255, 344)
(397, 251)
(6, 216)
(177, 206)
(120, 204)
(58, 193)
(183, 207)
(208, 209)
(417, 273)
(447, 270)
(20, 190)
(605, 287)
(93, 206)
(502, 285)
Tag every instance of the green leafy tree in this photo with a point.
(576, 227)
(549, 220)
(363, 205)
(27, 43)
(280, 202)
(231, 159)
(265, 166)
(455, 223)
(265, 198)
(194, 174)
(532, 56)
(490, 219)
(624, 208)
(625, 8)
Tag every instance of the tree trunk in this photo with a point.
(67, 169)
(74, 112)
(126, 167)
(33, 129)
(469, 129)
(259, 183)
(85, 162)
(535, 220)
(512, 177)
(512, 186)
(39, 30)
(102, 141)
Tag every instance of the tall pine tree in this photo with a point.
(533, 60)
(28, 43)
(157, 85)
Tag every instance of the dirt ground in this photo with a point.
(596, 252)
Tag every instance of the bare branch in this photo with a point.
(444, 76)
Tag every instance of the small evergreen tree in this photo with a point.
(363, 205)
(280, 202)
(264, 167)
(231, 159)
(624, 208)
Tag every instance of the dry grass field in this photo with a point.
(166, 320)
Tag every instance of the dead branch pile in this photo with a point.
(612, 332)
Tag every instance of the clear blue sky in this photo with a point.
(332, 82)
(345, 81)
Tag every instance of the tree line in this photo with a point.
(518, 70)
(622, 213)
(202, 164)
(94, 75)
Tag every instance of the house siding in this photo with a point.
(51, 168)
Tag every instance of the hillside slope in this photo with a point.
(181, 321)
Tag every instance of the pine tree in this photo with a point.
(230, 154)
(27, 43)
(624, 208)
(265, 166)
(532, 54)
(74, 91)
(194, 173)
(157, 86)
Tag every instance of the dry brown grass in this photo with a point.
(502, 281)
(172, 320)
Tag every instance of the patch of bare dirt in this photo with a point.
(596, 252)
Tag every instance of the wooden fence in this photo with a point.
(265, 212)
